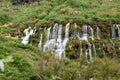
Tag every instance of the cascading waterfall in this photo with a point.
(59, 39)
(1, 65)
(98, 33)
(56, 45)
(86, 51)
(92, 32)
(27, 33)
(55, 30)
(113, 31)
(46, 46)
(66, 35)
(59, 45)
(118, 26)
(40, 42)
(63, 44)
(81, 50)
(67, 30)
(85, 35)
(90, 78)
(89, 53)
(94, 49)
(48, 33)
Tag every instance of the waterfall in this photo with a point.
(55, 44)
(54, 33)
(81, 50)
(85, 36)
(94, 49)
(98, 33)
(59, 34)
(1, 65)
(62, 45)
(89, 52)
(48, 33)
(92, 32)
(67, 30)
(66, 35)
(113, 31)
(59, 45)
(46, 46)
(118, 26)
(40, 42)
(86, 51)
(27, 33)
(90, 78)
(34, 30)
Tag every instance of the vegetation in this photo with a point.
(29, 63)
(60, 10)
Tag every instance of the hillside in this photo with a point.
(60, 40)
(60, 10)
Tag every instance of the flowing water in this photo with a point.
(56, 45)
(56, 41)
(40, 42)
(85, 35)
(92, 32)
(94, 49)
(27, 33)
(90, 51)
(118, 27)
(1, 65)
(98, 33)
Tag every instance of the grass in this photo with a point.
(59, 11)
(31, 64)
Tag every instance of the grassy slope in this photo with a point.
(25, 56)
(62, 10)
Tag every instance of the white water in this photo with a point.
(81, 50)
(56, 45)
(92, 32)
(46, 46)
(98, 33)
(118, 26)
(119, 31)
(1, 65)
(40, 42)
(113, 31)
(54, 32)
(67, 30)
(27, 33)
(85, 35)
(89, 53)
(94, 49)
(59, 45)
(90, 78)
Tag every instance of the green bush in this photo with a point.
(4, 18)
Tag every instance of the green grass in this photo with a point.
(30, 62)
(24, 57)
(60, 11)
